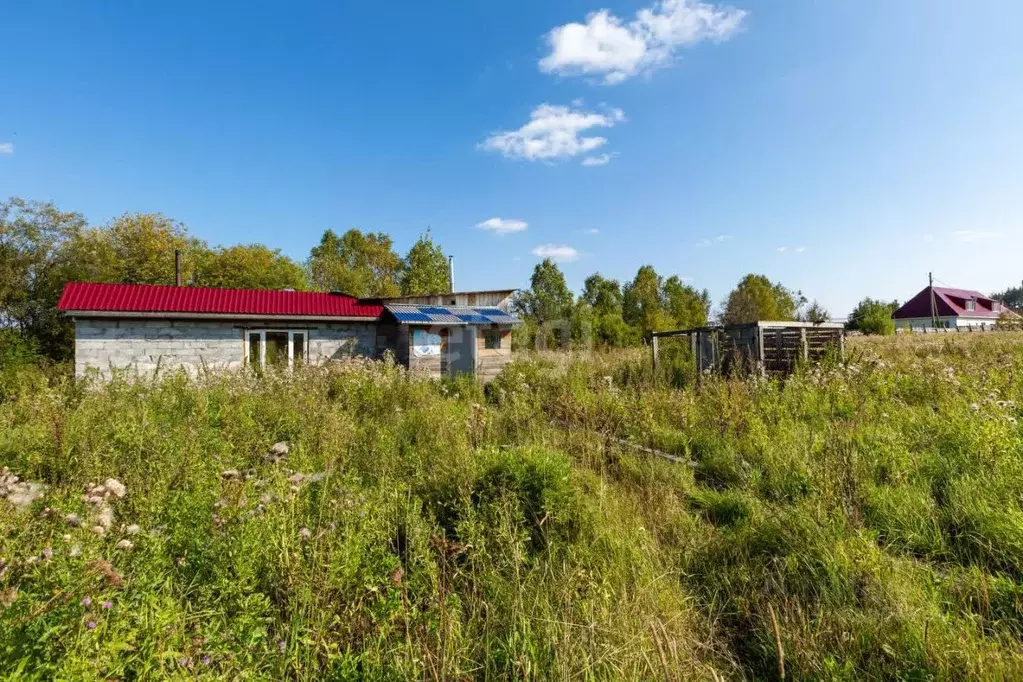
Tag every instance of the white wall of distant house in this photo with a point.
(949, 322)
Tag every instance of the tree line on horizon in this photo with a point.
(43, 247)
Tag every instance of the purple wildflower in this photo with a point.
(87, 602)
(91, 625)
(282, 646)
(205, 659)
(108, 605)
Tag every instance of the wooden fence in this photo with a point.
(756, 347)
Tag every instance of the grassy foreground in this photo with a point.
(859, 521)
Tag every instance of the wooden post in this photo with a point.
(804, 347)
(653, 348)
(841, 344)
(760, 351)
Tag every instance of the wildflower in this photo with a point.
(115, 487)
(74, 551)
(125, 544)
(133, 529)
(975, 407)
(91, 625)
(205, 660)
(99, 530)
(87, 602)
(72, 520)
(108, 605)
(66, 538)
(282, 646)
(8, 596)
(305, 533)
(47, 554)
(105, 517)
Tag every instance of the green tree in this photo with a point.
(547, 304)
(32, 236)
(249, 266)
(136, 248)
(425, 268)
(357, 264)
(602, 294)
(757, 298)
(1012, 296)
(604, 299)
(873, 317)
(643, 302)
(816, 313)
(686, 306)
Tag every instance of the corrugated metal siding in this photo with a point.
(144, 298)
(457, 315)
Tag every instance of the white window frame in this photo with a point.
(262, 345)
(971, 304)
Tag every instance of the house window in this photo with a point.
(971, 305)
(995, 306)
(275, 348)
(492, 339)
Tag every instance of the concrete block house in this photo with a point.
(954, 308)
(149, 329)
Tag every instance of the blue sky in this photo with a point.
(844, 147)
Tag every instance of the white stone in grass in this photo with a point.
(133, 529)
(125, 544)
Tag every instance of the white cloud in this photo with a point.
(718, 239)
(976, 235)
(800, 249)
(502, 226)
(558, 253)
(553, 133)
(6, 147)
(597, 160)
(795, 249)
(608, 47)
(592, 230)
(782, 249)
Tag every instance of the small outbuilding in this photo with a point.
(148, 329)
(757, 347)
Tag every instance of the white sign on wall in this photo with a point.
(425, 344)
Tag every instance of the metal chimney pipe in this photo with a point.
(451, 273)
(177, 267)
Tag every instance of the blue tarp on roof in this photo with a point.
(451, 314)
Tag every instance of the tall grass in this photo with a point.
(860, 520)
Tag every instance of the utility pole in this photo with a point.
(934, 303)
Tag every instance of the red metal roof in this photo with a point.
(950, 302)
(147, 298)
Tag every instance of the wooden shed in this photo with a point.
(757, 347)
(451, 339)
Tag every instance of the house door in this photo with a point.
(461, 350)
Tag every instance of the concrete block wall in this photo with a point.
(145, 345)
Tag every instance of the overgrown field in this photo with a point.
(857, 521)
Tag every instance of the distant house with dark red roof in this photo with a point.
(147, 329)
(953, 308)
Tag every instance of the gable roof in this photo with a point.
(449, 314)
(84, 297)
(948, 304)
